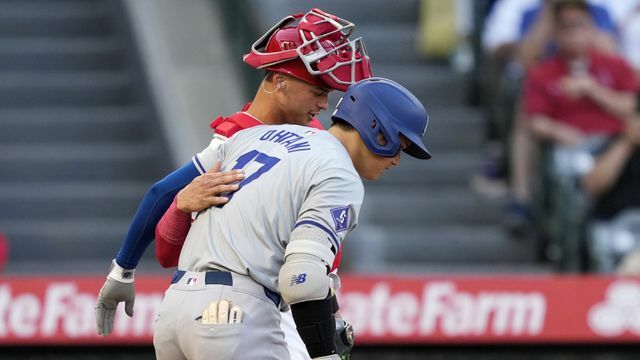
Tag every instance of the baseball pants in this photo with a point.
(180, 334)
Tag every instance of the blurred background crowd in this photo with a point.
(558, 85)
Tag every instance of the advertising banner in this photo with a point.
(382, 309)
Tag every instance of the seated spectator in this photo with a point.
(517, 35)
(614, 181)
(537, 29)
(579, 92)
(612, 184)
(522, 29)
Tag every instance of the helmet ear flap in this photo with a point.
(381, 138)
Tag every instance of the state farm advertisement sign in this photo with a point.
(383, 310)
(492, 309)
(52, 310)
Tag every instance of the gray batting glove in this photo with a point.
(344, 338)
(118, 287)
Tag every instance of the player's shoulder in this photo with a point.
(303, 143)
(284, 134)
(331, 156)
(250, 134)
(323, 144)
(323, 148)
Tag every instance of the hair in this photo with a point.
(559, 6)
(342, 125)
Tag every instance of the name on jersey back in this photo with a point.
(290, 140)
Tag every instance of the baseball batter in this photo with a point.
(272, 244)
(294, 91)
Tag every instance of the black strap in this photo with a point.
(316, 325)
(334, 305)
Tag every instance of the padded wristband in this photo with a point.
(334, 305)
(121, 274)
(316, 325)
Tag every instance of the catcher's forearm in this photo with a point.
(171, 233)
(154, 204)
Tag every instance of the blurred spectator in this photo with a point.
(580, 91)
(523, 29)
(517, 35)
(613, 181)
(613, 185)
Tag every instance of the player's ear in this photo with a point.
(279, 81)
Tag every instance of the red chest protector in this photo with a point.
(227, 126)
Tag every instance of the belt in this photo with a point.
(225, 278)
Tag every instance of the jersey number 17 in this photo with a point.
(254, 155)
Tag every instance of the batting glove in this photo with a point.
(221, 312)
(118, 287)
(344, 338)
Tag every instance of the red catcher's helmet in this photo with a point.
(316, 50)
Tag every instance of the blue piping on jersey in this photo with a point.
(202, 170)
(322, 227)
(154, 204)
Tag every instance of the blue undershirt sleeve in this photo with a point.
(154, 204)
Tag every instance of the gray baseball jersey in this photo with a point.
(294, 175)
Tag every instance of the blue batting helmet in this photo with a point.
(380, 106)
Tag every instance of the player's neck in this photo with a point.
(263, 108)
(348, 140)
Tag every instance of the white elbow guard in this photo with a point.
(308, 258)
(303, 278)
